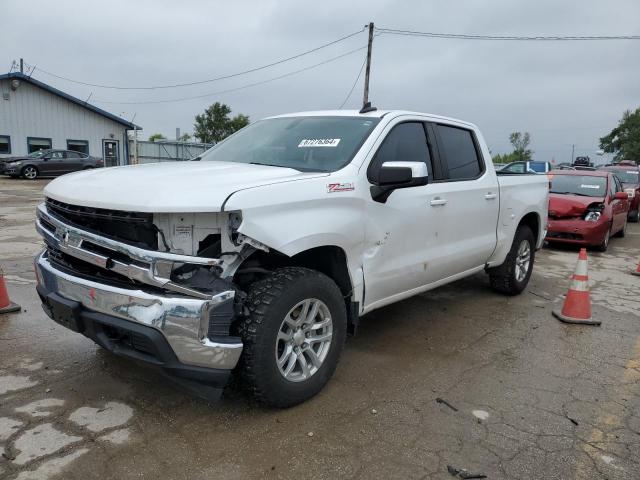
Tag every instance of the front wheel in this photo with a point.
(513, 275)
(30, 172)
(293, 336)
(604, 245)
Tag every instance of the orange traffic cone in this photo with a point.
(6, 305)
(637, 271)
(577, 304)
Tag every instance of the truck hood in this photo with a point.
(176, 187)
(567, 206)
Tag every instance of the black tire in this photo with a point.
(269, 301)
(604, 245)
(26, 172)
(503, 279)
(635, 218)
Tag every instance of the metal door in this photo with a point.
(110, 153)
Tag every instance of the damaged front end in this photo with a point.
(154, 287)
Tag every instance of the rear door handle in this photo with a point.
(490, 196)
(438, 201)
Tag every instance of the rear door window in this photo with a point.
(459, 154)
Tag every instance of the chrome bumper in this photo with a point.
(184, 322)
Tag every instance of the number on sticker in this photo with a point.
(318, 142)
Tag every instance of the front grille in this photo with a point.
(132, 228)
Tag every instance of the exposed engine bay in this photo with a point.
(181, 236)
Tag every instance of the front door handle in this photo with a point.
(490, 196)
(438, 201)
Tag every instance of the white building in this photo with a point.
(35, 116)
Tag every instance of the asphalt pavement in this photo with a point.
(460, 376)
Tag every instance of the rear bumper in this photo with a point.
(577, 231)
(169, 331)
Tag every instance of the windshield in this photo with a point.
(626, 176)
(318, 144)
(37, 153)
(588, 186)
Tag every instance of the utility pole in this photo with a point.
(365, 99)
(573, 148)
(21, 65)
(135, 140)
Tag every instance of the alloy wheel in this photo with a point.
(31, 173)
(523, 259)
(304, 340)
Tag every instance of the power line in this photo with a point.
(210, 80)
(236, 88)
(457, 36)
(354, 84)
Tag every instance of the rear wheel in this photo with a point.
(635, 218)
(293, 335)
(513, 275)
(622, 232)
(30, 172)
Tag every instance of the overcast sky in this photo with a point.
(563, 93)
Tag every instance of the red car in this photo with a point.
(629, 175)
(586, 207)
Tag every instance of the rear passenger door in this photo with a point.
(465, 202)
(73, 162)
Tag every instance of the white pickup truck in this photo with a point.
(260, 256)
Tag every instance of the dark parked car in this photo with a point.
(48, 163)
(629, 175)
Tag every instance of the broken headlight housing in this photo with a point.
(594, 212)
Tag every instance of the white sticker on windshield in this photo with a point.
(318, 142)
(634, 173)
(595, 187)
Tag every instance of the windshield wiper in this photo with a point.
(572, 193)
(269, 165)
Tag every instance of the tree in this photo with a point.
(157, 136)
(215, 124)
(185, 137)
(504, 158)
(520, 142)
(624, 140)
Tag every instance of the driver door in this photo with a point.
(398, 244)
(52, 163)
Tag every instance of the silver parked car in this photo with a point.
(48, 163)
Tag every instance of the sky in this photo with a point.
(563, 93)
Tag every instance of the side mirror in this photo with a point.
(395, 175)
(621, 196)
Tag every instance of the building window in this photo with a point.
(81, 146)
(35, 143)
(5, 144)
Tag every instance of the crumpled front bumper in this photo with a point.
(178, 323)
(577, 231)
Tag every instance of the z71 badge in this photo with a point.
(340, 187)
